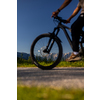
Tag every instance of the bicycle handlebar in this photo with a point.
(60, 19)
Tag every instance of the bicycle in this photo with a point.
(46, 50)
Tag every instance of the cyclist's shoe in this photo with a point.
(73, 58)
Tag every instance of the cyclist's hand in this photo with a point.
(54, 14)
(67, 21)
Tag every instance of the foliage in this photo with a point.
(23, 62)
(71, 64)
(28, 63)
(47, 93)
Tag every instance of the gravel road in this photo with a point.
(62, 77)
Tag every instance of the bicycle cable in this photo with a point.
(54, 20)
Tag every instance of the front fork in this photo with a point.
(51, 41)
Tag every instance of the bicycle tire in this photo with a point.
(33, 57)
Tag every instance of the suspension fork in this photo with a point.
(51, 40)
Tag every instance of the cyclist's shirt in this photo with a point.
(81, 4)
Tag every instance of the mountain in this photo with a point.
(53, 56)
(66, 55)
(23, 55)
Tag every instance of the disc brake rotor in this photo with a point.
(42, 53)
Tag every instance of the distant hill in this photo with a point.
(23, 55)
(26, 56)
(66, 55)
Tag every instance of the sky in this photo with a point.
(22, 20)
(34, 18)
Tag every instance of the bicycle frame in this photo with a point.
(63, 27)
(53, 34)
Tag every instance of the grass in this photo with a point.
(71, 64)
(47, 93)
(61, 64)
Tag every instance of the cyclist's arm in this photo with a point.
(74, 13)
(66, 2)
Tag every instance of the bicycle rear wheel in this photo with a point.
(44, 60)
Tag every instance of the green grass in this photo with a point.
(28, 63)
(71, 64)
(47, 93)
(61, 64)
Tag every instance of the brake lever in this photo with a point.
(60, 19)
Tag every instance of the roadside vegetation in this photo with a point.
(28, 63)
(47, 93)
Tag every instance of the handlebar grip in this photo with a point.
(64, 21)
(60, 19)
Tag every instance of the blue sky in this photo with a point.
(19, 36)
(34, 18)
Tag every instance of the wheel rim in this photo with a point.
(45, 59)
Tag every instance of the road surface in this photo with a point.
(62, 77)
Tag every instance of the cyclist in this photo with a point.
(76, 27)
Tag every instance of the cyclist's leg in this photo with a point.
(76, 29)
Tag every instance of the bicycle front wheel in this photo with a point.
(45, 60)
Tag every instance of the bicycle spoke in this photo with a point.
(45, 58)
